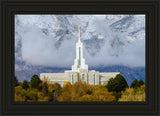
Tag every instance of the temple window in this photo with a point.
(83, 77)
(72, 79)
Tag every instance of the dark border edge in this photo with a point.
(158, 43)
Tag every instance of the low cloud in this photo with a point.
(39, 48)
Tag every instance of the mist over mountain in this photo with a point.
(46, 43)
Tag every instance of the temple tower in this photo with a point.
(79, 62)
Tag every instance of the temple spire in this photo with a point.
(79, 62)
(79, 40)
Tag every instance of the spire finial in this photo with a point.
(79, 27)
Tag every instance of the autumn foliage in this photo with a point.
(133, 94)
(38, 91)
(80, 91)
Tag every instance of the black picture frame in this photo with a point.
(11, 7)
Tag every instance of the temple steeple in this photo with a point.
(79, 62)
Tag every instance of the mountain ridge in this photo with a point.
(129, 73)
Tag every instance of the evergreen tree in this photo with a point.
(136, 83)
(117, 84)
(25, 85)
(140, 82)
(35, 80)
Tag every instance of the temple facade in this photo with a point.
(79, 71)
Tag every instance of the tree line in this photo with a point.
(116, 89)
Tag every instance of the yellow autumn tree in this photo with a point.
(99, 93)
(65, 92)
(25, 95)
(85, 92)
(131, 94)
(78, 90)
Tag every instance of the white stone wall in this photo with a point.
(104, 77)
(75, 74)
(100, 78)
(69, 76)
(97, 77)
(91, 77)
(52, 78)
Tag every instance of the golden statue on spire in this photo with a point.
(79, 27)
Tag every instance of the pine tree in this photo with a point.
(117, 84)
(136, 83)
(140, 82)
(35, 80)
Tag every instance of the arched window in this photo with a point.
(72, 79)
(94, 79)
(83, 77)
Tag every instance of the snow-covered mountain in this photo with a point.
(49, 41)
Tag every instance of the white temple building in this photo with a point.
(79, 71)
